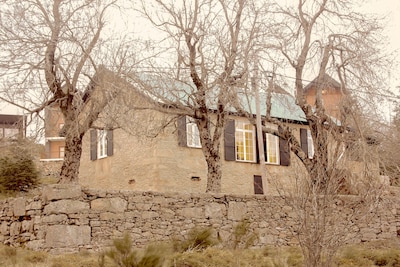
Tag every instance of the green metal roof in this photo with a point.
(283, 106)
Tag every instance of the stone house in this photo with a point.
(120, 153)
(12, 126)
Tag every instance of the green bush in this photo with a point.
(18, 172)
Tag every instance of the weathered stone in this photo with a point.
(19, 206)
(27, 226)
(149, 215)
(4, 228)
(109, 204)
(67, 236)
(55, 218)
(61, 191)
(35, 244)
(192, 212)
(236, 210)
(143, 206)
(35, 205)
(66, 206)
(214, 210)
(15, 228)
(106, 216)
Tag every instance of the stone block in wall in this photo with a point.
(192, 212)
(149, 215)
(66, 206)
(109, 204)
(55, 218)
(61, 191)
(64, 236)
(15, 228)
(109, 216)
(215, 210)
(35, 205)
(4, 228)
(19, 206)
(35, 244)
(237, 210)
(27, 226)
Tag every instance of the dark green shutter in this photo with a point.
(284, 151)
(304, 140)
(229, 141)
(258, 185)
(182, 137)
(110, 141)
(93, 144)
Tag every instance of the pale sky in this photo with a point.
(390, 9)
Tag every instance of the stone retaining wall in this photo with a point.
(66, 218)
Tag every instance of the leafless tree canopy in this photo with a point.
(210, 45)
(51, 51)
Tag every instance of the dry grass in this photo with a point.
(382, 253)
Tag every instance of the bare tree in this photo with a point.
(328, 37)
(211, 44)
(52, 55)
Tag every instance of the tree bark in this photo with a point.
(73, 151)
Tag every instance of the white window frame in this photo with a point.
(272, 149)
(310, 144)
(101, 144)
(192, 133)
(240, 135)
(61, 151)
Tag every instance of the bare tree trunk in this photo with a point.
(214, 173)
(73, 151)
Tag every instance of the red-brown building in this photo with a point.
(54, 142)
(332, 95)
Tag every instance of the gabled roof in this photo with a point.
(327, 81)
(283, 105)
(11, 119)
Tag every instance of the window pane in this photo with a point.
(244, 138)
(310, 145)
(102, 143)
(192, 133)
(272, 149)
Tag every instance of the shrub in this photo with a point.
(243, 236)
(197, 239)
(123, 254)
(17, 173)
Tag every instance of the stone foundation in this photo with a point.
(66, 218)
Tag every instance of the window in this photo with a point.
(188, 132)
(310, 145)
(307, 144)
(272, 149)
(192, 133)
(62, 152)
(245, 142)
(101, 144)
(240, 144)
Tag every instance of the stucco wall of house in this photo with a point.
(159, 164)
